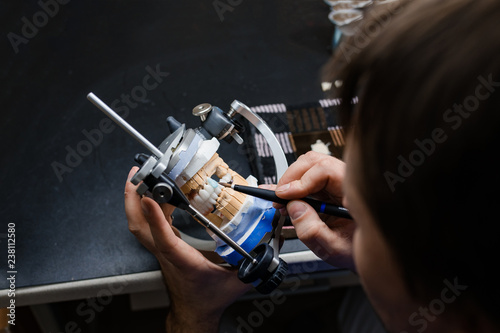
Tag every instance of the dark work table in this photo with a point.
(64, 167)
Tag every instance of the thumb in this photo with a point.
(296, 209)
(172, 248)
(309, 226)
(168, 210)
(164, 237)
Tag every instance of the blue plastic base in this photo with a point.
(263, 226)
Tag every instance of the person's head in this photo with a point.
(423, 177)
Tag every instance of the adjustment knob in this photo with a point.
(272, 282)
(249, 272)
(202, 110)
(162, 193)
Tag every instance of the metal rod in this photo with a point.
(123, 124)
(212, 227)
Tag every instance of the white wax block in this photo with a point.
(206, 150)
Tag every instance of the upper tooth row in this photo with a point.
(206, 198)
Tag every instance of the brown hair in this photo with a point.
(427, 127)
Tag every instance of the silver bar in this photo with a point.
(267, 133)
(123, 124)
(212, 227)
(278, 154)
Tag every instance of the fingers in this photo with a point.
(306, 221)
(170, 247)
(167, 210)
(276, 205)
(330, 244)
(268, 186)
(311, 174)
(164, 237)
(301, 165)
(137, 224)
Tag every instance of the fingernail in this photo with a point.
(145, 208)
(296, 209)
(131, 174)
(265, 186)
(283, 188)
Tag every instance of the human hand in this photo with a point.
(320, 176)
(199, 290)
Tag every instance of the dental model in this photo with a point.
(205, 193)
(196, 168)
(185, 171)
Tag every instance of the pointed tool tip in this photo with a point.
(225, 184)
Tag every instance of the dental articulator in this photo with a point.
(185, 170)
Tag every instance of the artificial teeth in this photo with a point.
(213, 199)
(212, 183)
(204, 194)
(227, 178)
(209, 189)
(198, 200)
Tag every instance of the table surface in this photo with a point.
(63, 171)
